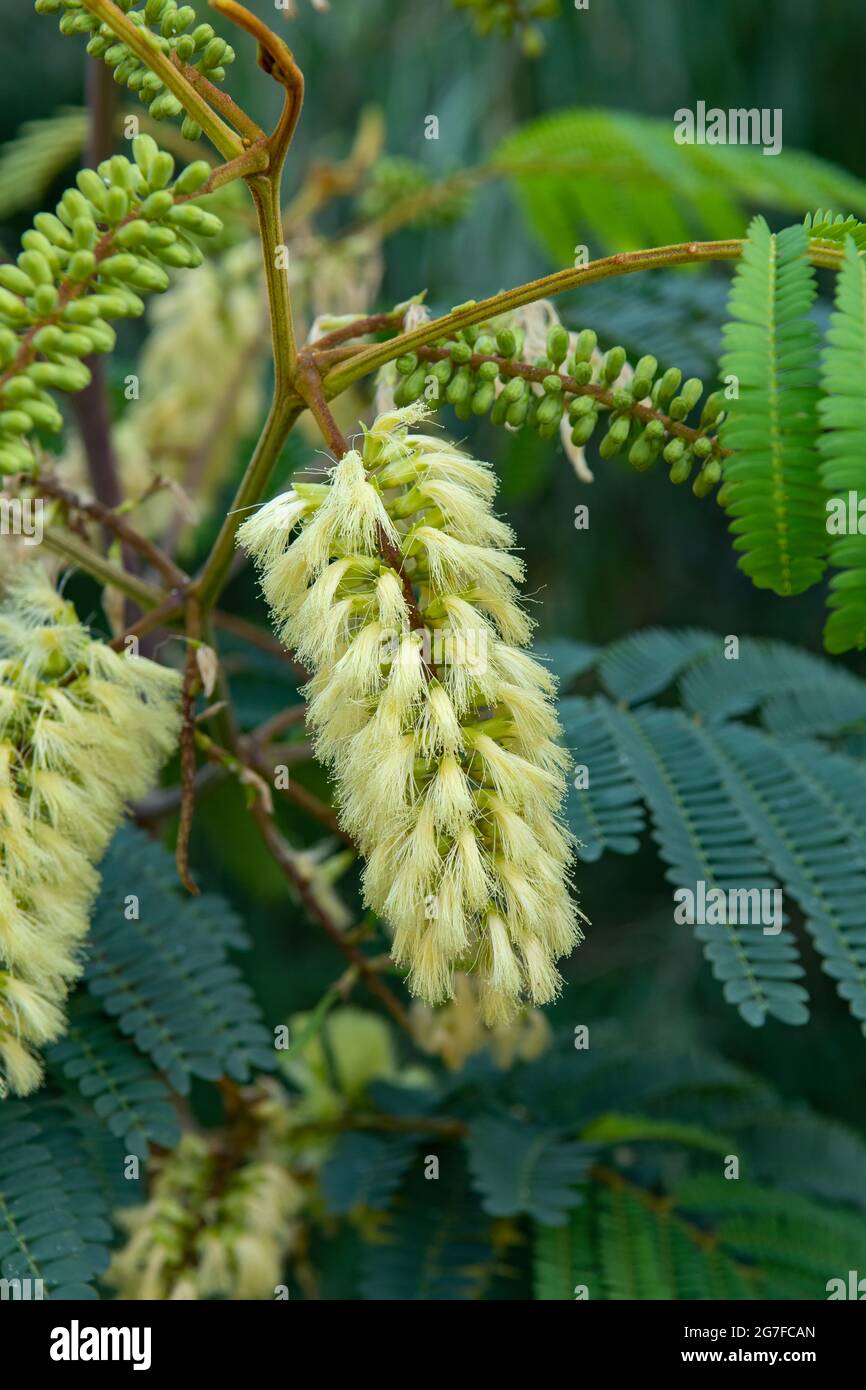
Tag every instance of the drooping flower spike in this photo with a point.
(82, 731)
(437, 724)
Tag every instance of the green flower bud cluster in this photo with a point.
(113, 238)
(202, 1235)
(82, 729)
(394, 179)
(574, 386)
(174, 30)
(509, 16)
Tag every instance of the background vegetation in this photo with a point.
(599, 1167)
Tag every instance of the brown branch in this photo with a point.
(282, 857)
(570, 387)
(167, 611)
(105, 514)
(188, 765)
(373, 323)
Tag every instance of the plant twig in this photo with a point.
(282, 857)
(112, 520)
(188, 766)
(625, 263)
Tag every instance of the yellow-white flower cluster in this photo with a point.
(82, 730)
(204, 1236)
(438, 725)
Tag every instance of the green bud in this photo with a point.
(499, 410)
(121, 266)
(92, 188)
(580, 406)
(52, 228)
(145, 149)
(116, 205)
(459, 387)
(195, 219)
(160, 172)
(407, 363)
(157, 206)
(702, 447)
(165, 106)
(190, 129)
(14, 422)
(44, 415)
(488, 371)
(552, 384)
(37, 266)
(45, 299)
(14, 279)
(81, 266)
(667, 386)
(65, 376)
(8, 345)
(616, 437)
(483, 398)
(213, 54)
(82, 310)
(557, 344)
(515, 389)
(681, 469)
(550, 410)
(506, 342)
(17, 388)
(614, 361)
(655, 430)
(84, 234)
(192, 177)
(460, 352)
(48, 339)
(622, 398)
(587, 341)
(584, 428)
(713, 407)
(133, 235)
(687, 399)
(644, 374)
(485, 346)
(643, 453)
(13, 308)
(518, 411)
(412, 387)
(674, 450)
(582, 373)
(441, 371)
(149, 277)
(706, 480)
(101, 336)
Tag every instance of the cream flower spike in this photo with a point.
(82, 730)
(438, 726)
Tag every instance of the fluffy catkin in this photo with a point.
(82, 730)
(441, 736)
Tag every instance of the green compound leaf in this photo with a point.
(164, 974)
(771, 489)
(843, 446)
